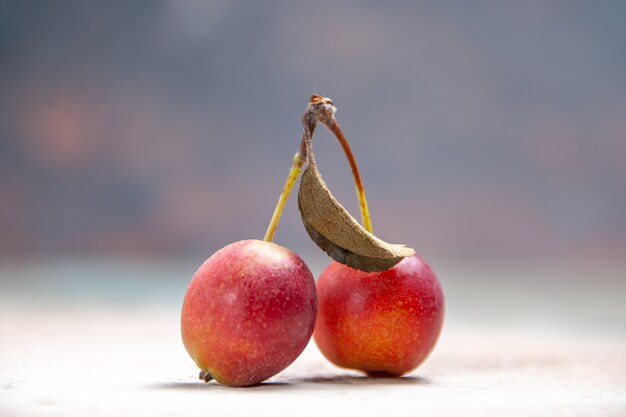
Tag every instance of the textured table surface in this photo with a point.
(538, 348)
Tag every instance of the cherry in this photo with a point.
(248, 313)
(383, 323)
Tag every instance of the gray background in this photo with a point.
(486, 131)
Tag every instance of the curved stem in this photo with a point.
(309, 118)
(333, 126)
(324, 110)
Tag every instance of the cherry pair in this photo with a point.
(252, 307)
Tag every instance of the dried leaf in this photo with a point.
(337, 233)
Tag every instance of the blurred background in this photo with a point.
(165, 129)
(138, 137)
(158, 132)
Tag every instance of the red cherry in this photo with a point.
(382, 323)
(248, 313)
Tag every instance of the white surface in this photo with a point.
(77, 361)
(82, 338)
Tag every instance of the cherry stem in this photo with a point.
(308, 124)
(325, 114)
(296, 166)
(324, 110)
(333, 126)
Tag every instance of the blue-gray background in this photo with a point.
(485, 131)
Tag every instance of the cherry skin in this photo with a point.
(383, 323)
(248, 312)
